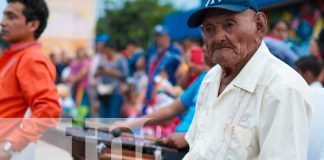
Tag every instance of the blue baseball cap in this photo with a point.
(102, 38)
(160, 30)
(196, 18)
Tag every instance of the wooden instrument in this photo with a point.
(110, 145)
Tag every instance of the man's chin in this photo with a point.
(7, 40)
(221, 56)
(4, 38)
(224, 61)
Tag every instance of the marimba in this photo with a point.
(107, 146)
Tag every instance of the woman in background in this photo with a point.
(79, 68)
(112, 72)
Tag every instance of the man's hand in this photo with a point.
(122, 125)
(3, 154)
(176, 140)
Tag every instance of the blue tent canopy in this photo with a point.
(261, 3)
(176, 22)
(264, 3)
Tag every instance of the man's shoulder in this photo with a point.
(173, 52)
(277, 75)
(34, 55)
(173, 49)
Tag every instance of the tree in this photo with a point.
(136, 19)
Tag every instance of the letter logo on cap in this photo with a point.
(210, 2)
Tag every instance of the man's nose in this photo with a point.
(220, 35)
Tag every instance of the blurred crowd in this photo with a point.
(133, 82)
(159, 85)
(125, 83)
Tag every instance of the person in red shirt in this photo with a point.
(193, 63)
(26, 78)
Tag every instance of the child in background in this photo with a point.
(136, 90)
(163, 95)
(66, 101)
(310, 68)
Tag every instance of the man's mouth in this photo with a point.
(223, 48)
(219, 49)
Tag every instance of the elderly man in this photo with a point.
(251, 105)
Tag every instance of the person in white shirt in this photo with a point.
(92, 79)
(251, 106)
(310, 68)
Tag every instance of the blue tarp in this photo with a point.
(264, 3)
(261, 3)
(176, 23)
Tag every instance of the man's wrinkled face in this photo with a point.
(229, 36)
(14, 26)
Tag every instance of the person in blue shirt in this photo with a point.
(135, 52)
(186, 103)
(188, 100)
(161, 57)
(281, 51)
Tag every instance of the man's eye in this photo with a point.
(208, 29)
(11, 16)
(229, 24)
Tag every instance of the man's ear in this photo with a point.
(261, 24)
(33, 25)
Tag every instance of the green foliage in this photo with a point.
(100, 28)
(136, 19)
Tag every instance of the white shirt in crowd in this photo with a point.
(264, 114)
(93, 68)
(316, 137)
(316, 84)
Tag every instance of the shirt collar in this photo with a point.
(216, 70)
(316, 84)
(22, 45)
(249, 76)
